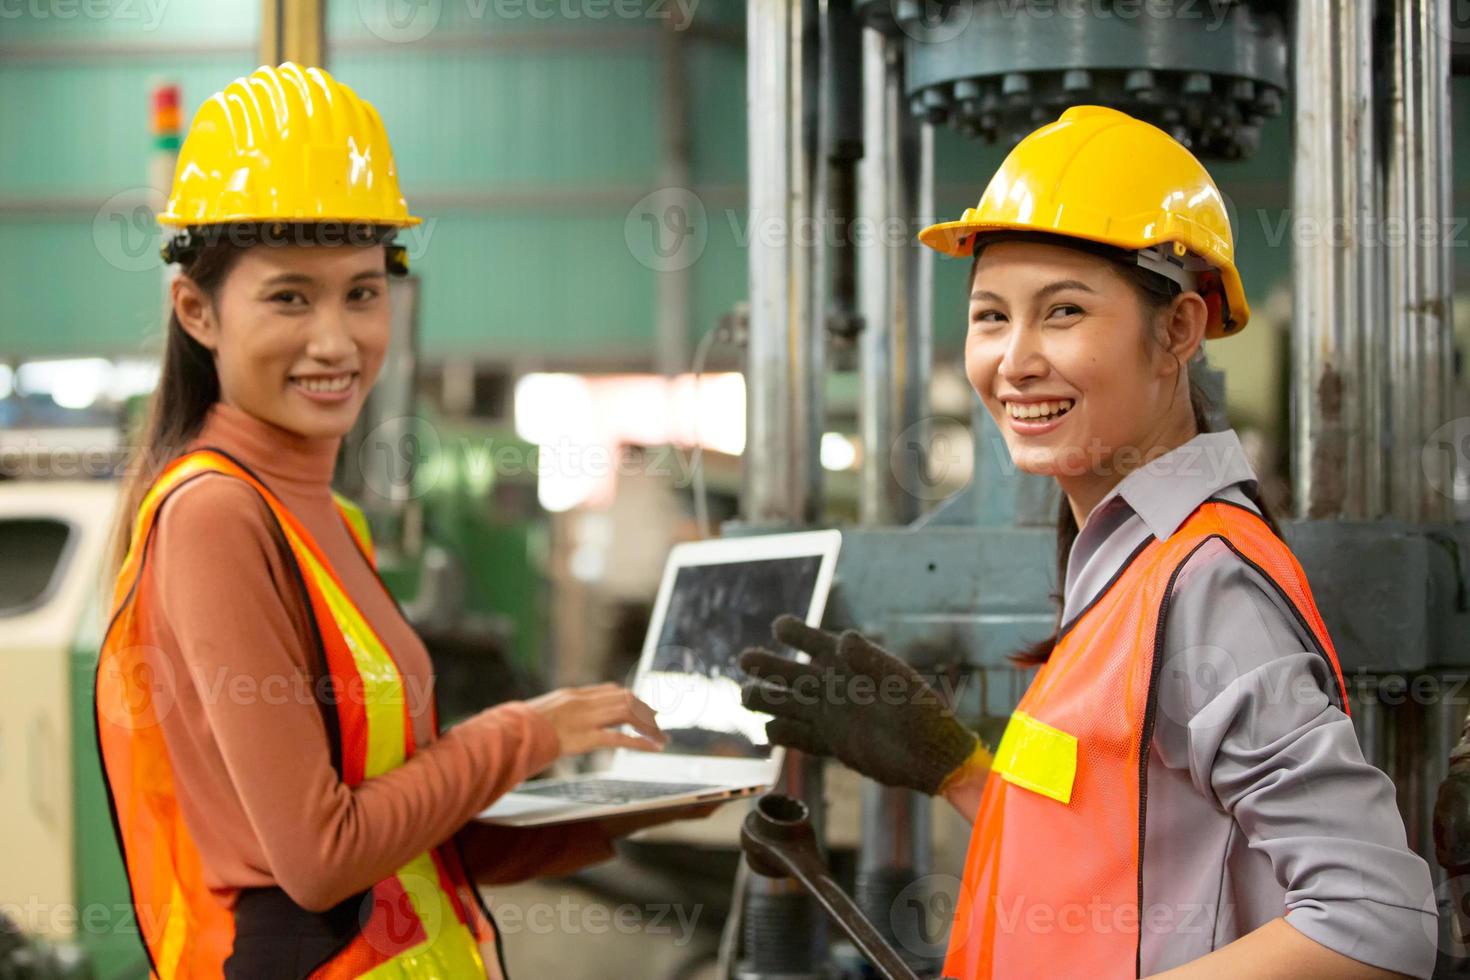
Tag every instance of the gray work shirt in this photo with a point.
(1259, 799)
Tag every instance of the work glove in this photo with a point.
(859, 704)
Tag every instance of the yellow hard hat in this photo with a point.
(1102, 175)
(286, 144)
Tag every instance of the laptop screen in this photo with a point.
(716, 611)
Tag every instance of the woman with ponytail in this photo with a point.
(285, 802)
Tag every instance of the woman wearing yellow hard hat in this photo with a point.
(1179, 792)
(283, 798)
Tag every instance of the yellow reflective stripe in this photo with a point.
(172, 946)
(450, 949)
(382, 685)
(189, 467)
(357, 519)
(1038, 757)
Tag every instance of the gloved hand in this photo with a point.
(859, 704)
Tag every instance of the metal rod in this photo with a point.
(1420, 279)
(895, 188)
(896, 347)
(1334, 265)
(781, 480)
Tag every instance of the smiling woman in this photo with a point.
(1179, 792)
(283, 797)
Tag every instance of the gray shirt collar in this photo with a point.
(1167, 490)
(1152, 500)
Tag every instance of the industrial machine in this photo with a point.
(61, 862)
(844, 96)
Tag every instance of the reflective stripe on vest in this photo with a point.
(1053, 881)
(425, 919)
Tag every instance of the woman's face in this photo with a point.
(1060, 331)
(298, 333)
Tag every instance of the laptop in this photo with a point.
(715, 599)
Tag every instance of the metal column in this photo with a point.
(896, 347)
(781, 476)
(1420, 277)
(291, 30)
(1335, 266)
(895, 181)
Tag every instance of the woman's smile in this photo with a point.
(1034, 417)
(326, 388)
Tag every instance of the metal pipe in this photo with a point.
(781, 475)
(1420, 278)
(895, 188)
(781, 478)
(895, 349)
(894, 851)
(1334, 266)
(292, 30)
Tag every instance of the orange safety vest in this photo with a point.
(1053, 879)
(425, 920)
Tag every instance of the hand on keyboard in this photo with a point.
(587, 718)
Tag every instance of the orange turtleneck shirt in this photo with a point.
(255, 781)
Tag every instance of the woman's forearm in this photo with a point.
(1276, 951)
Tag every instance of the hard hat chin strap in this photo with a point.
(1174, 262)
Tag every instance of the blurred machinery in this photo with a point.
(60, 854)
(843, 97)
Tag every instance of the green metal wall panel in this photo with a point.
(468, 122)
(523, 283)
(76, 126)
(61, 297)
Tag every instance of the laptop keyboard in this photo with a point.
(607, 791)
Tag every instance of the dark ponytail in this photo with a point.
(187, 387)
